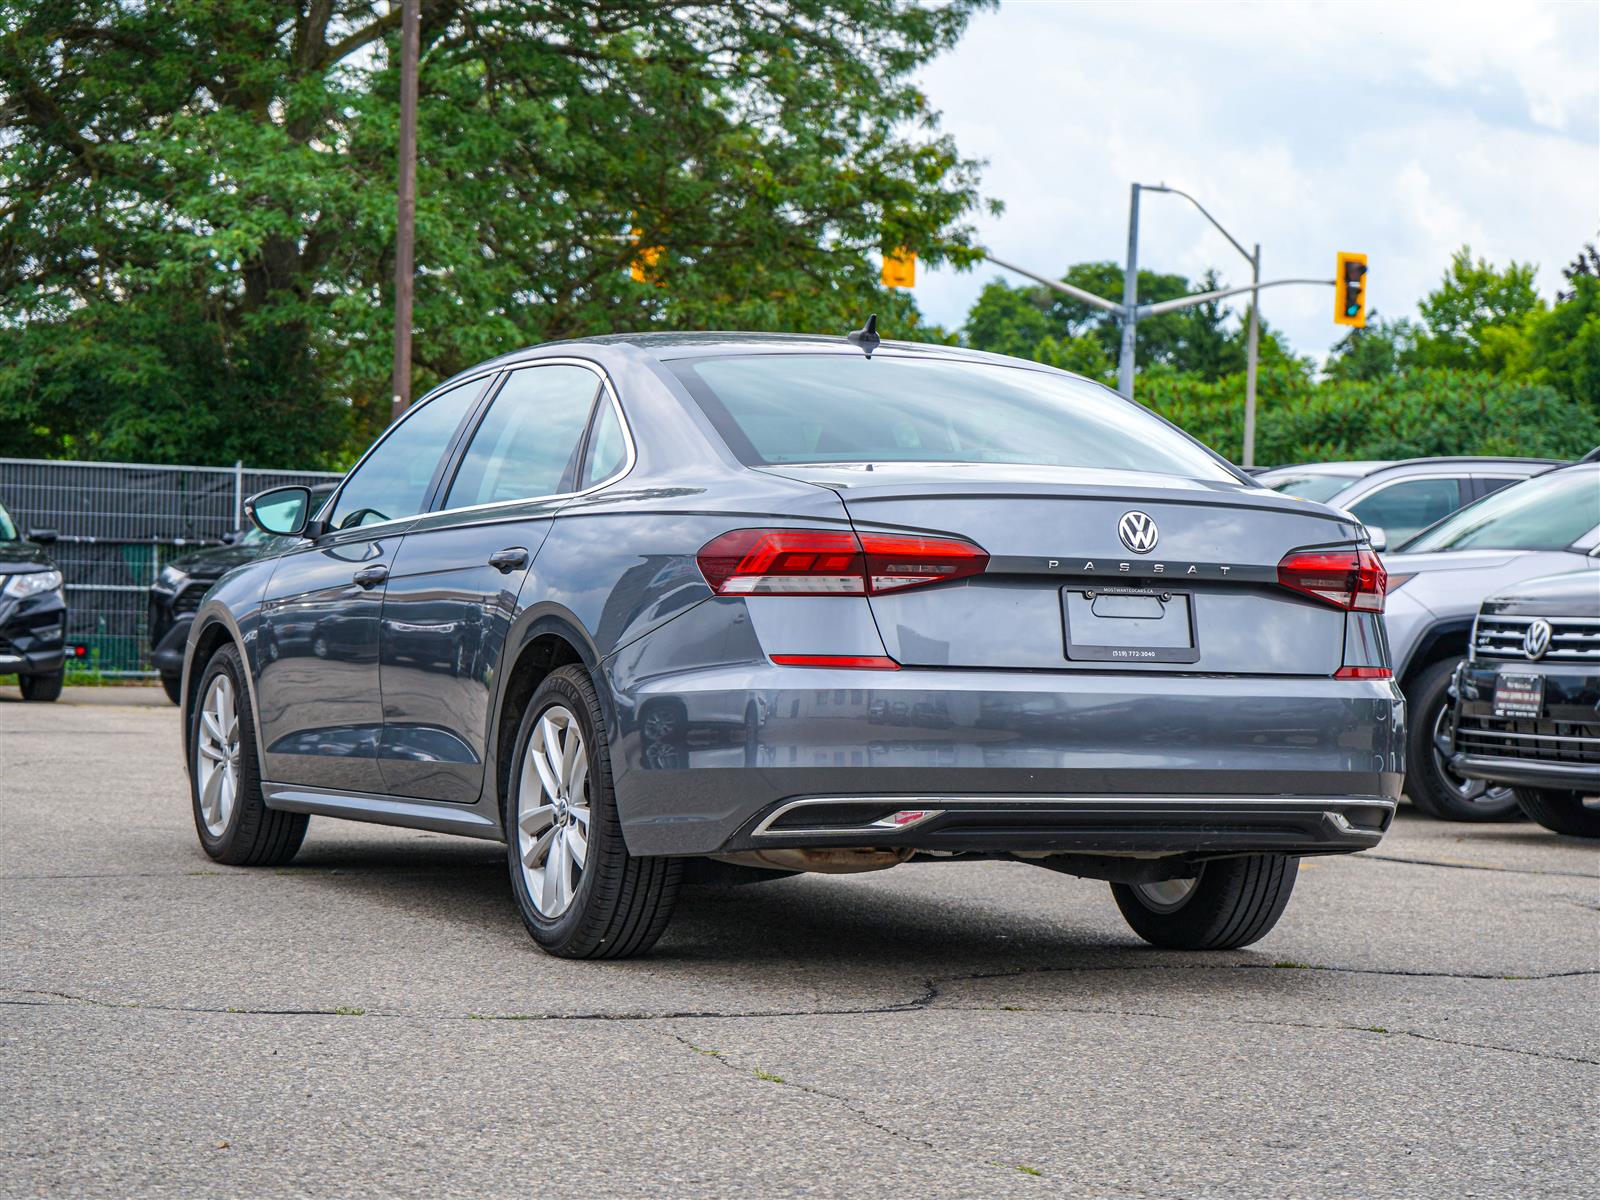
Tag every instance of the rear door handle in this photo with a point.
(510, 559)
(371, 577)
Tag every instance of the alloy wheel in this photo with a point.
(1167, 895)
(217, 754)
(553, 811)
(1471, 791)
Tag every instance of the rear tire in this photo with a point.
(1433, 787)
(232, 819)
(1560, 812)
(1231, 903)
(42, 688)
(618, 904)
(173, 686)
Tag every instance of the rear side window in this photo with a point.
(528, 443)
(607, 450)
(1408, 507)
(826, 408)
(393, 481)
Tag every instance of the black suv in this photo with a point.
(33, 612)
(1528, 700)
(176, 593)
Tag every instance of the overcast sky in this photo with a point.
(1399, 129)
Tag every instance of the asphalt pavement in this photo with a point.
(373, 1021)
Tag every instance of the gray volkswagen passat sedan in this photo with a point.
(656, 605)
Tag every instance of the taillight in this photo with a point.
(1350, 579)
(1364, 673)
(823, 562)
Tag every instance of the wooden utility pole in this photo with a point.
(405, 226)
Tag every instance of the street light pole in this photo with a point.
(405, 224)
(1130, 299)
(1252, 343)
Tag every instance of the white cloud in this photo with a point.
(1404, 130)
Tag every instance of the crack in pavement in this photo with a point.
(1369, 856)
(845, 1102)
(932, 990)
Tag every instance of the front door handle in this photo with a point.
(510, 559)
(371, 577)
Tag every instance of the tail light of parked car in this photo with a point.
(1353, 580)
(823, 562)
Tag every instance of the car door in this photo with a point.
(316, 651)
(453, 586)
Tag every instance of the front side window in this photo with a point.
(393, 480)
(1406, 508)
(1548, 512)
(825, 408)
(528, 443)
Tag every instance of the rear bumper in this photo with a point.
(1121, 825)
(1093, 762)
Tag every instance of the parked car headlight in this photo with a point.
(20, 587)
(173, 578)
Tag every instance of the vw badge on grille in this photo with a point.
(1138, 532)
(1537, 638)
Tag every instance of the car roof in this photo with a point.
(1360, 469)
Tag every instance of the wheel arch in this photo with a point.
(1448, 638)
(211, 631)
(549, 637)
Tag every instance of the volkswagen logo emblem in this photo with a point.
(1138, 532)
(1536, 640)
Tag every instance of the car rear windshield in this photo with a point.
(1311, 487)
(1548, 512)
(773, 409)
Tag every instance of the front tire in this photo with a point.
(1560, 812)
(232, 819)
(1232, 902)
(42, 688)
(1433, 787)
(578, 890)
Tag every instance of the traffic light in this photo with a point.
(1350, 290)
(899, 268)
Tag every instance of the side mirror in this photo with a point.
(43, 536)
(1378, 538)
(280, 511)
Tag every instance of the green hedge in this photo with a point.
(1406, 415)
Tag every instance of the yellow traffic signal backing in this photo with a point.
(900, 268)
(1350, 290)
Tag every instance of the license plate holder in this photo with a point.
(1518, 694)
(1129, 624)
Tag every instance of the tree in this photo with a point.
(1374, 350)
(197, 200)
(1472, 296)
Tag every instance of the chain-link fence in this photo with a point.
(118, 524)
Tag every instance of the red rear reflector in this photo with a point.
(1364, 673)
(859, 662)
(826, 562)
(1350, 579)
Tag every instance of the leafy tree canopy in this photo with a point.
(197, 199)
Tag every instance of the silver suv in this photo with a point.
(1398, 500)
